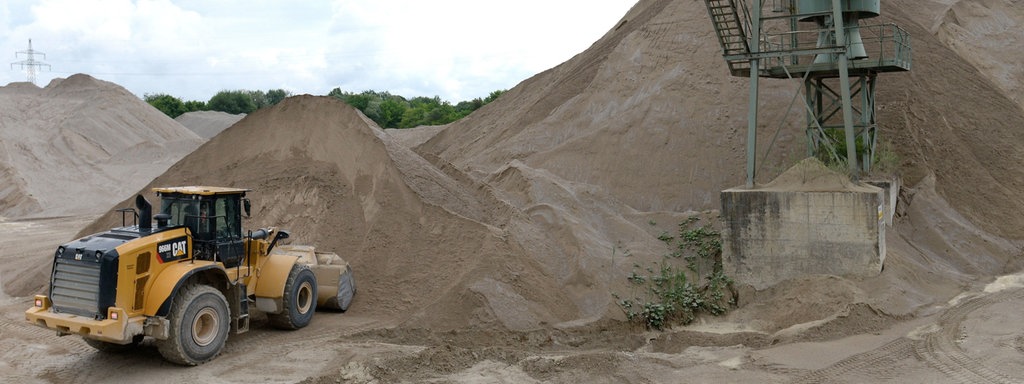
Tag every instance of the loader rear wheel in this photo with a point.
(299, 299)
(199, 326)
(106, 347)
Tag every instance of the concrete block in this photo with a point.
(808, 221)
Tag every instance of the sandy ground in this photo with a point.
(973, 338)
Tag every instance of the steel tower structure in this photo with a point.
(775, 39)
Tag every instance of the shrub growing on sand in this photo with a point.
(670, 291)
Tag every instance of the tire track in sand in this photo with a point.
(940, 349)
(877, 359)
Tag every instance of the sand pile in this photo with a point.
(417, 239)
(649, 116)
(79, 145)
(532, 211)
(811, 175)
(208, 124)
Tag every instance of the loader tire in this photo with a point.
(299, 299)
(106, 347)
(199, 324)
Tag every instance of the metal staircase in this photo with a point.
(731, 35)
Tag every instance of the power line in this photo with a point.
(30, 64)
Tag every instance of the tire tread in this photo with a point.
(284, 320)
(171, 349)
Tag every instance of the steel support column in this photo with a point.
(752, 110)
(824, 103)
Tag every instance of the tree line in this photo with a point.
(233, 102)
(394, 111)
(387, 110)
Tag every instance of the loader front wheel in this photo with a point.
(299, 299)
(199, 322)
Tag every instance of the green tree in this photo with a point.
(193, 105)
(391, 112)
(494, 96)
(464, 108)
(275, 96)
(428, 111)
(259, 98)
(233, 102)
(169, 105)
(372, 111)
(413, 117)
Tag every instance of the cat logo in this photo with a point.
(172, 250)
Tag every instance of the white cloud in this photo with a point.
(456, 49)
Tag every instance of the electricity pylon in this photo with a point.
(30, 64)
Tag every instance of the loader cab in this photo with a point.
(212, 215)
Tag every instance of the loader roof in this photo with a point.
(202, 190)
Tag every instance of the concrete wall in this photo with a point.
(770, 236)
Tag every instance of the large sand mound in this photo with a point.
(80, 145)
(649, 116)
(422, 243)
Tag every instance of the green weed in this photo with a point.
(665, 292)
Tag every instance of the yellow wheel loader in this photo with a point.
(187, 282)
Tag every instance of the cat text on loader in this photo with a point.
(187, 282)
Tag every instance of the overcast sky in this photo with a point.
(455, 49)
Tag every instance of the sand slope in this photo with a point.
(985, 33)
(946, 118)
(79, 145)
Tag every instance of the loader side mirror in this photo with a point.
(247, 206)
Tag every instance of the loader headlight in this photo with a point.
(60, 251)
(41, 302)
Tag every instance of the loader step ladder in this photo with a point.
(731, 35)
(239, 308)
